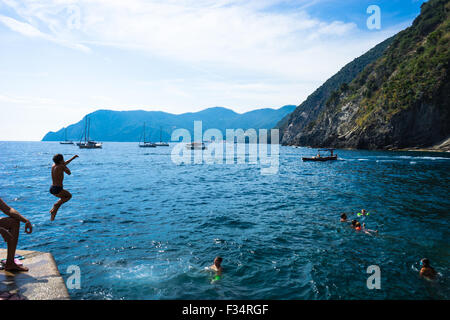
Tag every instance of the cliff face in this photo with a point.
(292, 124)
(399, 101)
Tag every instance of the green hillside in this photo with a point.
(307, 111)
(399, 101)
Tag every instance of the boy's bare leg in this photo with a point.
(65, 196)
(13, 227)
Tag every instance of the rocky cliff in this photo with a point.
(399, 101)
(293, 123)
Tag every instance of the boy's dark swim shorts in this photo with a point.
(55, 190)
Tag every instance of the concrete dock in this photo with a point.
(42, 282)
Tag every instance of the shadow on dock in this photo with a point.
(42, 282)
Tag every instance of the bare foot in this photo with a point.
(53, 212)
(15, 267)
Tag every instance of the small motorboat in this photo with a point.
(322, 158)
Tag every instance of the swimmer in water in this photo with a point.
(217, 266)
(358, 227)
(58, 169)
(427, 271)
(368, 231)
(363, 213)
(344, 217)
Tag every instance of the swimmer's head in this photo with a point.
(357, 225)
(425, 262)
(363, 211)
(58, 158)
(343, 216)
(218, 261)
(354, 222)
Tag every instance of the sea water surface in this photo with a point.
(141, 227)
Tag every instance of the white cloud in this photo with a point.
(30, 31)
(226, 34)
(248, 55)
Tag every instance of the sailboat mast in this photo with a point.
(85, 129)
(144, 132)
(89, 130)
(160, 134)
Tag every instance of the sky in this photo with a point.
(62, 59)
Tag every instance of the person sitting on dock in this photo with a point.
(9, 229)
(57, 189)
(427, 271)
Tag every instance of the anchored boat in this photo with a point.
(320, 157)
(65, 138)
(146, 144)
(88, 143)
(161, 143)
(196, 146)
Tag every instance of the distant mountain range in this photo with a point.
(396, 96)
(122, 126)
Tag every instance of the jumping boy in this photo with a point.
(57, 189)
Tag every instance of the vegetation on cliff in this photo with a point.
(399, 101)
(316, 102)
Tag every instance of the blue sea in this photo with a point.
(141, 227)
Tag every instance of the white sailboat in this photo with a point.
(196, 146)
(87, 143)
(65, 138)
(146, 144)
(161, 143)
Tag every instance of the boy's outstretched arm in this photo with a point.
(70, 160)
(67, 170)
